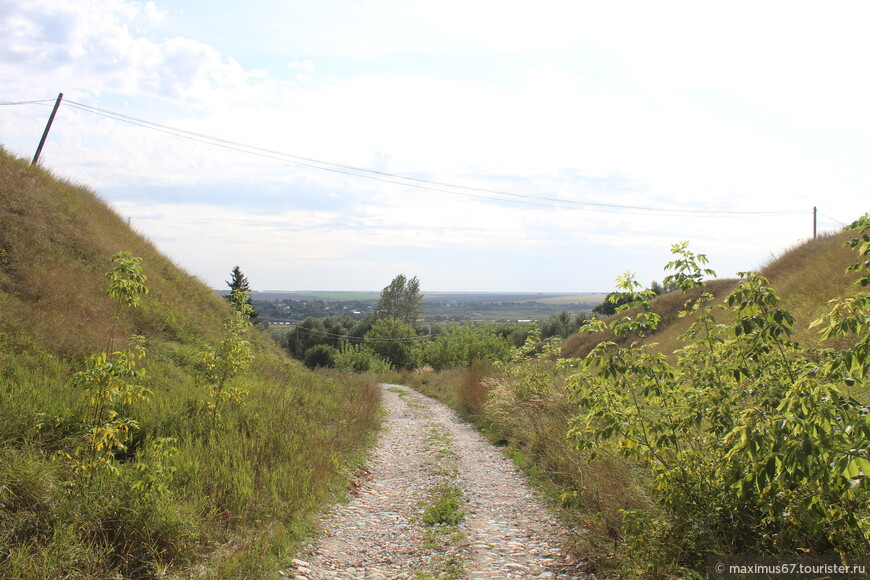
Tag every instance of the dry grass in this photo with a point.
(590, 495)
(810, 274)
(805, 277)
(241, 496)
(56, 242)
(533, 426)
(667, 306)
(576, 299)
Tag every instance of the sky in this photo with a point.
(478, 145)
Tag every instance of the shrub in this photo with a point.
(359, 358)
(463, 345)
(392, 340)
(321, 355)
(755, 444)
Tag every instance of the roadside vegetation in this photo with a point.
(147, 429)
(381, 342)
(718, 418)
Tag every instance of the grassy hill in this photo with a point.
(805, 277)
(171, 487)
(743, 438)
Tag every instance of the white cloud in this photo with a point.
(91, 47)
(731, 107)
(153, 13)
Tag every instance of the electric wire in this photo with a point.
(425, 184)
(359, 339)
(833, 219)
(32, 102)
(408, 181)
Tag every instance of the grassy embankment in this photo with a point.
(193, 494)
(527, 407)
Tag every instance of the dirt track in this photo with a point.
(507, 532)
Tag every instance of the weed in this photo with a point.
(218, 366)
(106, 379)
(442, 509)
(753, 441)
(444, 506)
(409, 399)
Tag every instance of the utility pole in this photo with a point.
(815, 213)
(47, 128)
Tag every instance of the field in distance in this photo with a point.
(277, 306)
(592, 298)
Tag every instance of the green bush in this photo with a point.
(461, 345)
(358, 358)
(321, 355)
(755, 444)
(392, 340)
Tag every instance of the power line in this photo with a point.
(359, 339)
(833, 219)
(415, 182)
(356, 171)
(33, 102)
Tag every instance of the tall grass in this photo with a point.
(189, 499)
(532, 429)
(532, 423)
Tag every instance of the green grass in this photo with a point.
(408, 398)
(589, 496)
(231, 501)
(594, 496)
(444, 506)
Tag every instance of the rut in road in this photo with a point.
(425, 449)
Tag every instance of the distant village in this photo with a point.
(436, 308)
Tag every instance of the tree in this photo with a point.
(321, 355)
(392, 340)
(563, 324)
(611, 303)
(238, 284)
(401, 300)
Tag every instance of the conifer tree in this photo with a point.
(238, 284)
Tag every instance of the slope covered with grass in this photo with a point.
(805, 276)
(748, 435)
(188, 491)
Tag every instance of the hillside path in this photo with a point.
(507, 531)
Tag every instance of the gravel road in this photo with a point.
(506, 532)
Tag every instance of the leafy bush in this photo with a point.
(462, 345)
(563, 324)
(321, 355)
(359, 358)
(392, 340)
(755, 444)
(218, 366)
(331, 330)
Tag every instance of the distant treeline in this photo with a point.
(296, 310)
(373, 343)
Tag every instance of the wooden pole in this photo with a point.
(815, 219)
(47, 128)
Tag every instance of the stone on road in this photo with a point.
(507, 531)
